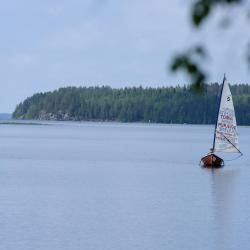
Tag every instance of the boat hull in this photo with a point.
(212, 161)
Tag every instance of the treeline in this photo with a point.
(136, 104)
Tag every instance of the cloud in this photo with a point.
(22, 60)
(56, 10)
(82, 36)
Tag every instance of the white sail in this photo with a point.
(226, 135)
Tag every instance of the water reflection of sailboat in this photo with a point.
(223, 203)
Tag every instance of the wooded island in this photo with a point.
(135, 104)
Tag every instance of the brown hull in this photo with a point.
(212, 161)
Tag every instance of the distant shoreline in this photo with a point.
(9, 122)
(57, 122)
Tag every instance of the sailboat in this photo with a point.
(225, 134)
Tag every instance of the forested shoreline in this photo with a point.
(135, 104)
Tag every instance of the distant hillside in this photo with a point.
(160, 105)
(5, 116)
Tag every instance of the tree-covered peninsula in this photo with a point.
(136, 104)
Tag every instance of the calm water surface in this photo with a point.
(94, 186)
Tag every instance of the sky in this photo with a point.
(56, 43)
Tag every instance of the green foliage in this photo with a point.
(159, 105)
(188, 62)
(202, 8)
(200, 11)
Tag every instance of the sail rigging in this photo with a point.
(225, 135)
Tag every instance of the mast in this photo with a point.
(224, 79)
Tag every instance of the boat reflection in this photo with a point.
(223, 200)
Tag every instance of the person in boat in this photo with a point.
(210, 151)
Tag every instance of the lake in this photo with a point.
(110, 186)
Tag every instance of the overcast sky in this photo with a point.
(49, 44)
